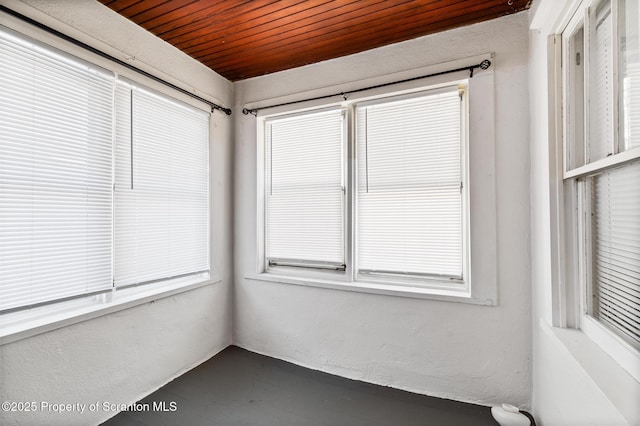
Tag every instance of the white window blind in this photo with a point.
(631, 99)
(616, 249)
(629, 34)
(601, 123)
(55, 175)
(304, 190)
(409, 190)
(161, 188)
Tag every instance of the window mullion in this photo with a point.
(349, 192)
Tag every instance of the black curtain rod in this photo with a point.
(482, 65)
(57, 33)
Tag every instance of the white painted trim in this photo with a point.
(350, 184)
(482, 187)
(387, 289)
(551, 15)
(465, 168)
(555, 133)
(615, 101)
(604, 164)
(260, 195)
(23, 324)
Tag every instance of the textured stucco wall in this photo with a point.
(460, 351)
(117, 358)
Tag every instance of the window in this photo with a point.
(395, 214)
(70, 134)
(602, 165)
(55, 167)
(162, 204)
(410, 186)
(615, 254)
(305, 191)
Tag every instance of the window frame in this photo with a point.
(573, 285)
(263, 264)
(433, 280)
(140, 92)
(350, 279)
(300, 265)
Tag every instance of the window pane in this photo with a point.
(616, 249)
(162, 205)
(575, 97)
(630, 74)
(601, 88)
(55, 175)
(409, 198)
(304, 188)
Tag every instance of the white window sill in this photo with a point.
(20, 325)
(627, 356)
(376, 288)
(615, 382)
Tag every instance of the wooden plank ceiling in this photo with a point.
(246, 38)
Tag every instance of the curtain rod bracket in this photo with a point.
(247, 111)
(482, 65)
(220, 108)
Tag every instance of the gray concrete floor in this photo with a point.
(238, 387)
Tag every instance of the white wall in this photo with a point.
(460, 351)
(122, 356)
(466, 352)
(574, 381)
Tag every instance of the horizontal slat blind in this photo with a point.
(631, 102)
(161, 208)
(616, 249)
(601, 104)
(409, 201)
(629, 71)
(55, 175)
(303, 187)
